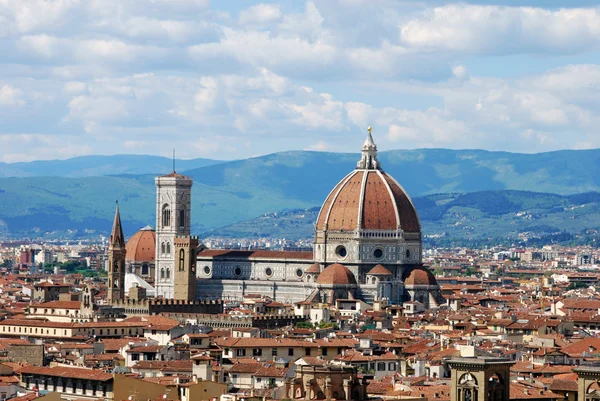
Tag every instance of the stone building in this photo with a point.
(326, 382)
(367, 246)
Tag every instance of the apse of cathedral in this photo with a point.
(367, 246)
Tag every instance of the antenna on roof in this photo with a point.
(173, 159)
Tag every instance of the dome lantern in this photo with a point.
(368, 160)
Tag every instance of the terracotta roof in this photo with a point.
(258, 254)
(171, 366)
(370, 200)
(65, 372)
(58, 305)
(141, 246)
(420, 276)
(336, 274)
(379, 270)
(314, 268)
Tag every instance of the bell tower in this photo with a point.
(116, 261)
(173, 199)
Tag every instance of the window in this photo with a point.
(168, 271)
(341, 251)
(258, 379)
(307, 351)
(269, 272)
(324, 351)
(168, 248)
(234, 378)
(392, 366)
(181, 260)
(240, 352)
(257, 352)
(378, 253)
(145, 269)
(135, 357)
(166, 216)
(182, 218)
(381, 366)
(163, 248)
(290, 352)
(206, 270)
(237, 271)
(162, 274)
(274, 352)
(299, 273)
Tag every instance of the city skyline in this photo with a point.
(243, 79)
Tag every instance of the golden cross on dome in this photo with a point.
(369, 129)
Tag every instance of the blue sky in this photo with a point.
(234, 79)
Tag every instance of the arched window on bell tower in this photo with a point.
(182, 218)
(181, 260)
(166, 216)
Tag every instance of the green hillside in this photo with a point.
(230, 192)
(458, 219)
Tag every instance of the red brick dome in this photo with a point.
(141, 246)
(379, 270)
(314, 268)
(419, 276)
(336, 274)
(369, 200)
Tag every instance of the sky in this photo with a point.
(237, 79)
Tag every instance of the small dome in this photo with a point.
(379, 270)
(314, 268)
(336, 274)
(420, 276)
(141, 247)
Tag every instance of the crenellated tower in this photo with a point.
(116, 261)
(185, 268)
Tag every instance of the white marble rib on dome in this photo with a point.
(132, 279)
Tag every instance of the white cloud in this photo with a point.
(10, 96)
(499, 29)
(272, 77)
(260, 14)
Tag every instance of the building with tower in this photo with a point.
(367, 246)
(116, 261)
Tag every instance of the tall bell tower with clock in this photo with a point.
(173, 212)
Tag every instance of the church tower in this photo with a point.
(185, 268)
(116, 261)
(173, 198)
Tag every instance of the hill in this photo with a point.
(488, 217)
(234, 191)
(93, 166)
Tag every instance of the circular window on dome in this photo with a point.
(206, 270)
(378, 253)
(341, 251)
(269, 272)
(408, 254)
(299, 273)
(237, 271)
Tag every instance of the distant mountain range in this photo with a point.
(93, 166)
(76, 197)
(487, 217)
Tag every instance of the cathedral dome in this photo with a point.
(420, 276)
(336, 274)
(141, 247)
(368, 199)
(379, 270)
(314, 268)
